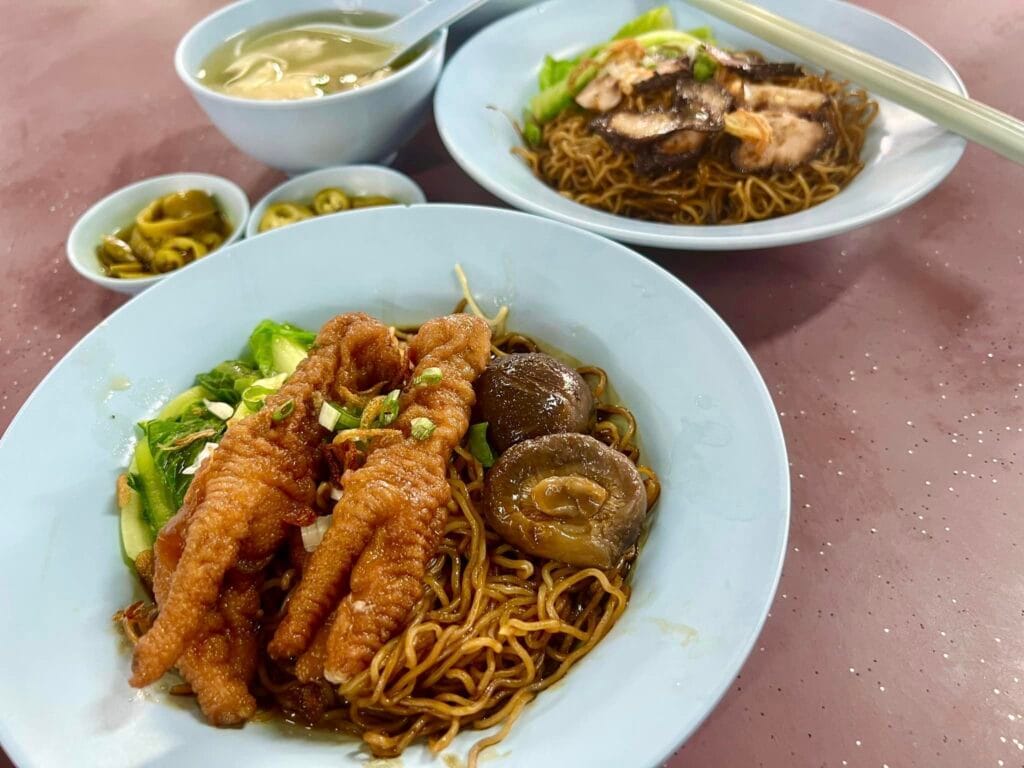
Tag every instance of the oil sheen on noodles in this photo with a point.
(494, 627)
(585, 168)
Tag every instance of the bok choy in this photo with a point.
(171, 444)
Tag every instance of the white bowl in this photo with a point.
(353, 179)
(118, 209)
(366, 124)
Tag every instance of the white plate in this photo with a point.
(703, 582)
(905, 156)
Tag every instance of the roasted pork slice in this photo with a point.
(677, 150)
(776, 141)
(776, 98)
(706, 98)
(633, 129)
(753, 67)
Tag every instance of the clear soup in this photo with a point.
(300, 57)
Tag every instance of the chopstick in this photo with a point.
(971, 119)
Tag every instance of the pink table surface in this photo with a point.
(894, 355)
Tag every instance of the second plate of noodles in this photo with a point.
(662, 124)
(655, 124)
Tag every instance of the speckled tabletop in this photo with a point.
(894, 355)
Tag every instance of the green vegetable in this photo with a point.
(226, 382)
(328, 416)
(172, 441)
(428, 377)
(478, 445)
(675, 39)
(561, 80)
(550, 102)
(150, 501)
(283, 411)
(254, 397)
(181, 403)
(652, 20)
(388, 409)
(704, 67)
(532, 133)
(702, 33)
(136, 535)
(554, 71)
(279, 347)
(421, 428)
(347, 418)
(167, 447)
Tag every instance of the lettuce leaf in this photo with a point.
(226, 382)
(554, 71)
(651, 21)
(279, 347)
(702, 33)
(166, 448)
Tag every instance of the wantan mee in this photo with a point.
(667, 126)
(397, 534)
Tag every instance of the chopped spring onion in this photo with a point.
(388, 409)
(421, 428)
(313, 533)
(329, 416)
(703, 67)
(284, 410)
(222, 411)
(428, 377)
(478, 445)
(254, 396)
(334, 416)
(202, 456)
(349, 419)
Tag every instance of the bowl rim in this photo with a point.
(436, 46)
(378, 170)
(96, 208)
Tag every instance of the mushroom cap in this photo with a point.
(531, 394)
(567, 497)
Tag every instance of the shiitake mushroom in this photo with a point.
(527, 395)
(567, 497)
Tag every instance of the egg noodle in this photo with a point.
(583, 167)
(494, 628)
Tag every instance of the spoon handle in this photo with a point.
(425, 20)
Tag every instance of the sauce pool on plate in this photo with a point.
(299, 57)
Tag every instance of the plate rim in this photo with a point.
(696, 238)
(674, 737)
